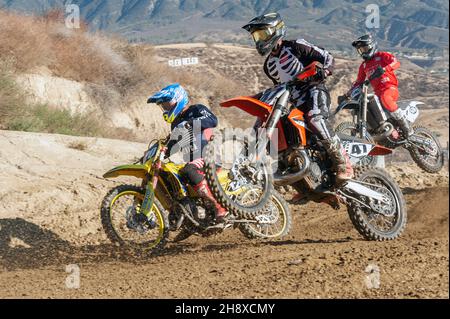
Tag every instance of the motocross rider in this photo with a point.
(381, 66)
(285, 59)
(191, 129)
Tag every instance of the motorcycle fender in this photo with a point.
(138, 171)
(250, 105)
(363, 190)
(411, 112)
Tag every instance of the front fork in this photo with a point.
(149, 198)
(272, 123)
(362, 116)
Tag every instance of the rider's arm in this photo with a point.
(204, 115)
(391, 62)
(304, 49)
(359, 79)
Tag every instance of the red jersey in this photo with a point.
(387, 80)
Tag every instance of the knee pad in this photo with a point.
(320, 126)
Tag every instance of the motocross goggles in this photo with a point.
(363, 49)
(166, 106)
(267, 33)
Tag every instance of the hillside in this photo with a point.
(414, 24)
(99, 86)
(46, 67)
(243, 66)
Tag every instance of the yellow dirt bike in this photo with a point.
(141, 217)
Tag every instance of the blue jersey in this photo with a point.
(193, 140)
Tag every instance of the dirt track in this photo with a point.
(49, 219)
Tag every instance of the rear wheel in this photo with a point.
(229, 156)
(126, 226)
(430, 158)
(388, 220)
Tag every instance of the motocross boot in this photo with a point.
(203, 191)
(403, 123)
(340, 159)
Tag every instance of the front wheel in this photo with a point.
(274, 222)
(430, 157)
(231, 167)
(388, 221)
(126, 226)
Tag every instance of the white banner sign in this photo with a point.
(183, 62)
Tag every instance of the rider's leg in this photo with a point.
(317, 104)
(193, 172)
(389, 98)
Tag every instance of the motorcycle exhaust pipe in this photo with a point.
(386, 128)
(284, 180)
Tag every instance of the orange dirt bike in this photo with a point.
(375, 202)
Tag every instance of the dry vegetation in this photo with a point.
(28, 42)
(16, 114)
(78, 145)
(115, 71)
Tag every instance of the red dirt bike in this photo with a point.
(375, 202)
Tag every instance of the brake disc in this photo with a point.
(385, 207)
(139, 222)
(269, 216)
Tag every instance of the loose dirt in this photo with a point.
(49, 218)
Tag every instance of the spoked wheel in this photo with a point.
(274, 222)
(384, 220)
(428, 157)
(126, 226)
(349, 128)
(230, 166)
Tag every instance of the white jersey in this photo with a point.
(293, 57)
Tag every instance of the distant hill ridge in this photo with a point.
(413, 24)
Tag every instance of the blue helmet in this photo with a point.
(172, 93)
